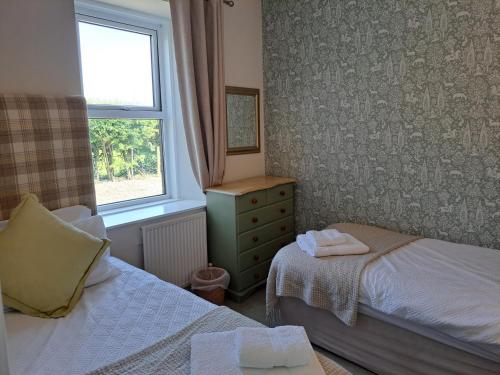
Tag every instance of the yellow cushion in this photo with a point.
(44, 261)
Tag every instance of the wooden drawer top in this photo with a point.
(249, 185)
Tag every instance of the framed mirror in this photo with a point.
(243, 120)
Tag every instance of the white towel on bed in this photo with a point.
(272, 347)
(326, 237)
(351, 247)
(214, 354)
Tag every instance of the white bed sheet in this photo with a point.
(112, 320)
(452, 288)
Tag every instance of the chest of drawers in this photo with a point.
(248, 222)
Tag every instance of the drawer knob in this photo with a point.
(256, 276)
(283, 228)
(254, 201)
(283, 210)
(282, 193)
(255, 238)
(256, 257)
(255, 220)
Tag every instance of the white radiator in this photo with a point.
(174, 248)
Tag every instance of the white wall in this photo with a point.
(38, 53)
(243, 67)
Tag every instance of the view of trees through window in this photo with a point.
(126, 157)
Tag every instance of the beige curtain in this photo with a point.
(197, 26)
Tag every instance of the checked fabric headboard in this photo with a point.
(45, 150)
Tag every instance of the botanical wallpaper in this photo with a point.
(387, 112)
(241, 121)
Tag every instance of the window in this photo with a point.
(117, 65)
(120, 62)
(126, 157)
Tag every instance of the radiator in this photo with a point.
(174, 248)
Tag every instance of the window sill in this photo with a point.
(144, 212)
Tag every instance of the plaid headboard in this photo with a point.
(45, 150)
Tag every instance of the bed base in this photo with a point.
(382, 347)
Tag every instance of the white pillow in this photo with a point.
(93, 225)
(73, 213)
(104, 270)
(67, 214)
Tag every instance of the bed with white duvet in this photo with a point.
(429, 306)
(452, 288)
(115, 318)
(122, 310)
(125, 315)
(118, 319)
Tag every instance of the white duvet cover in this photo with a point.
(452, 288)
(113, 319)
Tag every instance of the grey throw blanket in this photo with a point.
(330, 283)
(172, 354)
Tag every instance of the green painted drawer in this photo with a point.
(262, 253)
(261, 235)
(281, 209)
(256, 218)
(250, 201)
(253, 275)
(279, 193)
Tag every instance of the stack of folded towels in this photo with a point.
(330, 242)
(249, 351)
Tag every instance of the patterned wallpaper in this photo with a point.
(241, 121)
(387, 112)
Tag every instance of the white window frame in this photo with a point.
(157, 28)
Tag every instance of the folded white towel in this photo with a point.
(272, 347)
(326, 237)
(214, 354)
(351, 247)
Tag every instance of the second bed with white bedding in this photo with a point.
(426, 307)
(452, 288)
(447, 292)
(113, 319)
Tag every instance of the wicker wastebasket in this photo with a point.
(210, 283)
